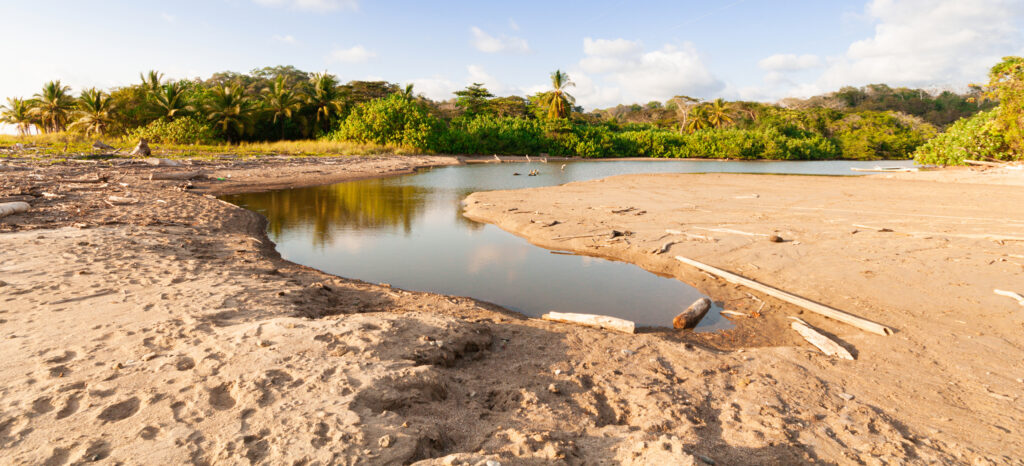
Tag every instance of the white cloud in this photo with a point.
(789, 62)
(513, 25)
(485, 42)
(168, 17)
(285, 39)
(619, 70)
(313, 5)
(928, 42)
(354, 54)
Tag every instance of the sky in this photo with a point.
(615, 51)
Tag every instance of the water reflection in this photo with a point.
(409, 231)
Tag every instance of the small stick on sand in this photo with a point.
(592, 320)
(878, 229)
(1011, 294)
(825, 344)
(727, 230)
(805, 303)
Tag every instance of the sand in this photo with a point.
(169, 331)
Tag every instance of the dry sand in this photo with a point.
(169, 331)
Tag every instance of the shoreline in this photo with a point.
(210, 347)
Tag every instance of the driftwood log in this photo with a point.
(11, 208)
(805, 303)
(983, 163)
(825, 344)
(1011, 294)
(692, 315)
(175, 175)
(592, 320)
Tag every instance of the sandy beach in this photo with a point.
(165, 329)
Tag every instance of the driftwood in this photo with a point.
(84, 180)
(142, 148)
(563, 238)
(11, 208)
(592, 320)
(692, 315)
(175, 175)
(983, 163)
(733, 313)
(99, 145)
(119, 200)
(805, 303)
(1008, 294)
(162, 162)
(869, 227)
(825, 344)
(727, 230)
(664, 247)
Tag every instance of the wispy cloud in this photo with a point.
(168, 17)
(354, 54)
(789, 62)
(485, 42)
(313, 5)
(285, 39)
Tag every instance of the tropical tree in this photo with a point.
(683, 104)
(281, 102)
(407, 92)
(170, 102)
(559, 102)
(719, 113)
(53, 106)
(698, 119)
(95, 112)
(18, 112)
(473, 100)
(230, 111)
(325, 98)
(151, 80)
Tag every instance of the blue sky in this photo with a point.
(616, 51)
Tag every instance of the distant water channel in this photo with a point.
(409, 231)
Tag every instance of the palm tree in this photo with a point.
(281, 102)
(18, 112)
(169, 100)
(558, 101)
(151, 80)
(53, 105)
(698, 119)
(95, 112)
(407, 92)
(719, 113)
(230, 111)
(325, 98)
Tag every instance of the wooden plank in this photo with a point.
(823, 343)
(592, 320)
(805, 303)
(11, 208)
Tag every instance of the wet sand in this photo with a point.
(169, 331)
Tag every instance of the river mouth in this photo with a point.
(409, 231)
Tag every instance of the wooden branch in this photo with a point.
(592, 320)
(825, 344)
(727, 230)
(805, 303)
(119, 200)
(692, 316)
(11, 208)
(1008, 294)
(174, 175)
(984, 164)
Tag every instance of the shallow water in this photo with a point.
(409, 231)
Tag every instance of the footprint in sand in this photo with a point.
(42, 405)
(220, 396)
(149, 432)
(119, 411)
(70, 407)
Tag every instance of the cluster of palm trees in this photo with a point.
(697, 116)
(54, 109)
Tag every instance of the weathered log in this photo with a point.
(120, 200)
(11, 208)
(692, 315)
(99, 145)
(805, 303)
(983, 163)
(175, 175)
(592, 320)
(664, 247)
(142, 148)
(163, 162)
(823, 343)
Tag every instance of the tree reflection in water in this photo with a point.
(358, 205)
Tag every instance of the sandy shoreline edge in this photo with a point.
(166, 332)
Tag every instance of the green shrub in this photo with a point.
(879, 135)
(184, 130)
(393, 120)
(969, 138)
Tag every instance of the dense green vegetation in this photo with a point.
(993, 135)
(283, 103)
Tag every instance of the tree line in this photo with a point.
(284, 103)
